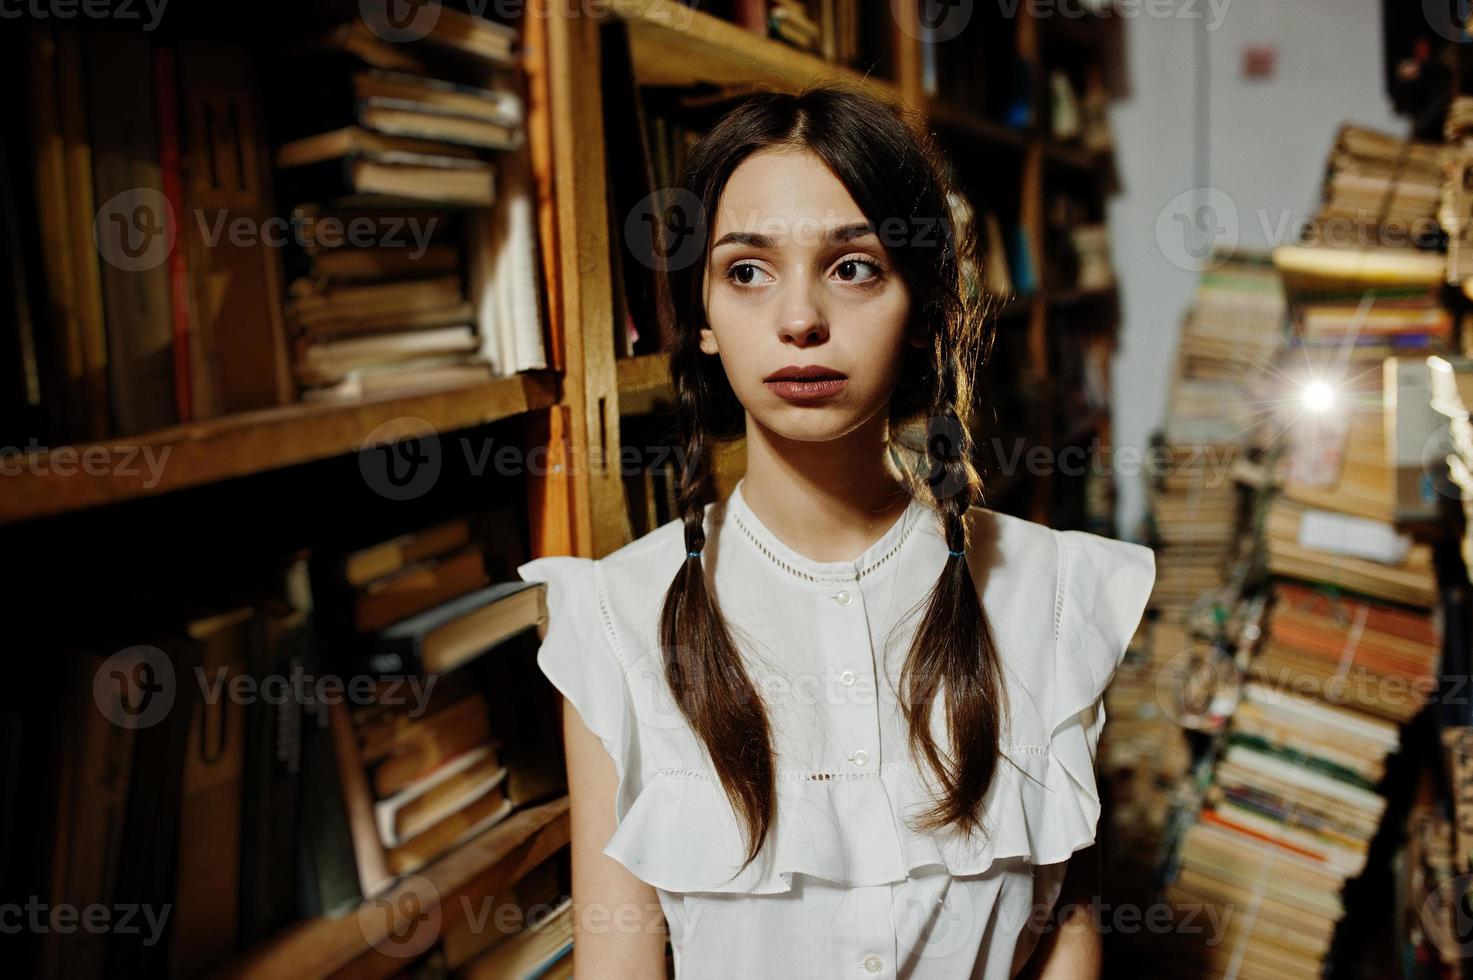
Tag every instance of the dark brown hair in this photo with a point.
(894, 176)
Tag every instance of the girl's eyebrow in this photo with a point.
(835, 236)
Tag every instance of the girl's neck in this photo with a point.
(828, 501)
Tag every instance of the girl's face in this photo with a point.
(796, 278)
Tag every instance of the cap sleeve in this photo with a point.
(579, 658)
(1102, 592)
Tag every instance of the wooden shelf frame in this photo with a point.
(55, 481)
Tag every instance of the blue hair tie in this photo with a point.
(956, 554)
(693, 554)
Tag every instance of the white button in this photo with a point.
(860, 757)
(872, 963)
(847, 678)
(842, 598)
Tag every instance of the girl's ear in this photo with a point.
(708, 341)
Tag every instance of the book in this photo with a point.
(419, 587)
(444, 790)
(414, 750)
(456, 632)
(238, 341)
(367, 564)
(475, 817)
(528, 954)
(394, 176)
(207, 914)
(133, 232)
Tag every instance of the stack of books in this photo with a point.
(1334, 521)
(392, 154)
(1227, 346)
(1372, 656)
(1364, 304)
(437, 778)
(1194, 512)
(1216, 416)
(1144, 752)
(1286, 822)
(439, 753)
(1380, 190)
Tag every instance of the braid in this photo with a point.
(707, 677)
(953, 653)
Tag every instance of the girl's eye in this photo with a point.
(858, 270)
(745, 274)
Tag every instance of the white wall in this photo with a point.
(1266, 140)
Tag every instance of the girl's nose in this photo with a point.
(801, 320)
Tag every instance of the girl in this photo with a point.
(843, 723)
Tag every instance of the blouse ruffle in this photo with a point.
(678, 832)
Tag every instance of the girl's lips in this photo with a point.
(806, 391)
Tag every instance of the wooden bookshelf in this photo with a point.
(485, 866)
(246, 443)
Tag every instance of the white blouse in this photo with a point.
(844, 886)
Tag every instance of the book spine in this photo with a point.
(166, 88)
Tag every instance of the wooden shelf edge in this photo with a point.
(678, 45)
(198, 453)
(486, 864)
(643, 372)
